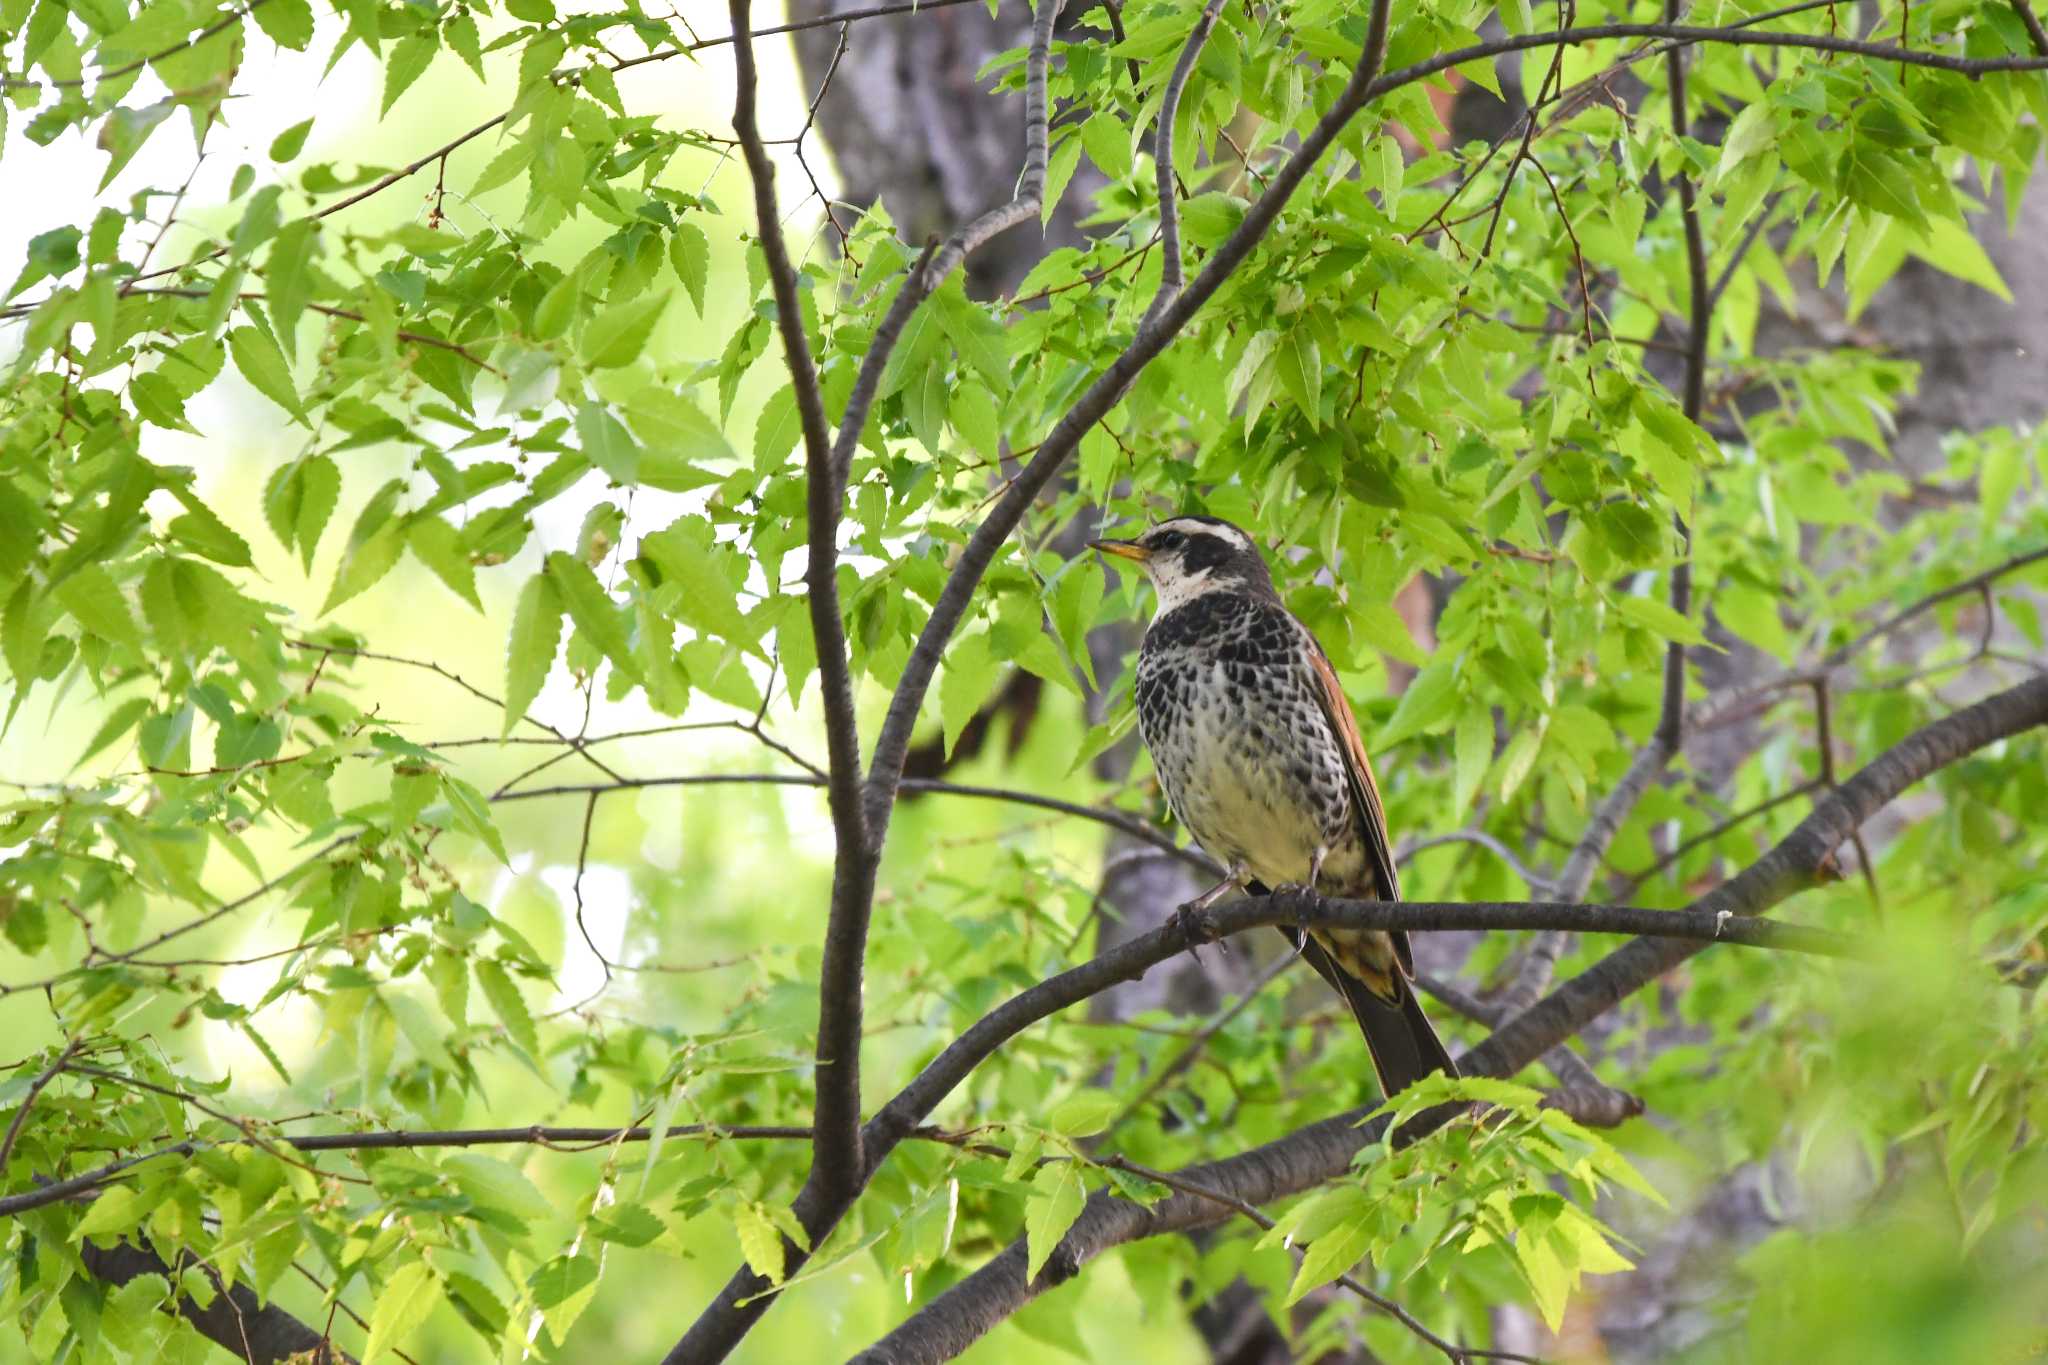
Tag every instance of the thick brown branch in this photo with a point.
(836, 1160)
(236, 1320)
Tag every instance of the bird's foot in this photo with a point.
(1194, 925)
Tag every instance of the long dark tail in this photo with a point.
(1403, 1043)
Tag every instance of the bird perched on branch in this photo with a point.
(1262, 761)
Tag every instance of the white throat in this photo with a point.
(1181, 589)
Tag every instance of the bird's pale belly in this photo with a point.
(1253, 794)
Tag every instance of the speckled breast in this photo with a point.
(1228, 707)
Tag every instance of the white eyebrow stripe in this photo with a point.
(1189, 526)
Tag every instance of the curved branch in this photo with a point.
(1322, 1151)
(1171, 275)
(1030, 196)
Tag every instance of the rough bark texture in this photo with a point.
(910, 124)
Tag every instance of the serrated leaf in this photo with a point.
(298, 501)
(407, 63)
(530, 654)
(760, 1241)
(964, 684)
(632, 1225)
(402, 1304)
(1333, 1252)
(288, 23)
(777, 431)
(592, 610)
(97, 603)
(263, 365)
(439, 546)
(561, 1280)
(608, 444)
(705, 595)
(689, 251)
(616, 336)
(1055, 1201)
(113, 1211)
(507, 1003)
(1084, 1114)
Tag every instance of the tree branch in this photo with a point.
(2032, 22)
(1322, 1151)
(1028, 202)
(1171, 275)
(236, 1320)
(836, 1160)
(1136, 826)
(1533, 978)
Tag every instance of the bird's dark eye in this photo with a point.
(1169, 540)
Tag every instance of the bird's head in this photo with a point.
(1189, 556)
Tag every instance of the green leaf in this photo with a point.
(632, 1225)
(560, 1280)
(1084, 1114)
(1380, 626)
(964, 684)
(288, 23)
(407, 63)
(1333, 1253)
(535, 638)
(690, 253)
(98, 604)
(263, 365)
(473, 814)
(298, 501)
(704, 594)
(1659, 618)
(1474, 753)
(1427, 705)
(402, 1304)
(608, 444)
(114, 1211)
(124, 132)
(201, 531)
(616, 336)
(592, 610)
(777, 431)
(1055, 1201)
(760, 1241)
(1206, 219)
(508, 1004)
(288, 144)
(439, 546)
(374, 545)
(288, 280)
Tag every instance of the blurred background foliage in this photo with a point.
(277, 861)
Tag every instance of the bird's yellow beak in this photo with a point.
(1122, 549)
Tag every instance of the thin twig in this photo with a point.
(28, 1099)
